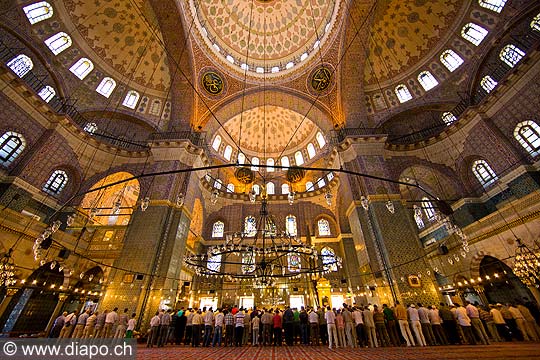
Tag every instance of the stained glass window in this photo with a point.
(228, 152)
(320, 139)
(90, 127)
(295, 263)
(328, 258)
(511, 55)
(429, 210)
(290, 225)
(230, 188)
(309, 186)
(218, 229)
(451, 60)
(270, 163)
(285, 162)
(56, 183)
(241, 158)
(298, 158)
(21, 65)
(58, 42)
(255, 163)
(250, 226)
(214, 262)
(46, 93)
(285, 188)
(248, 262)
(324, 227)
(528, 135)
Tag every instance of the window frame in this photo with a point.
(524, 140)
(21, 65)
(56, 37)
(11, 149)
(35, 6)
(485, 169)
(493, 5)
(427, 84)
(479, 30)
(402, 93)
(457, 60)
(53, 186)
(511, 55)
(101, 87)
(79, 63)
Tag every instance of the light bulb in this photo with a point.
(180, 199)
(55, 226)
(252, 195)
(365, 202)
(290, 198)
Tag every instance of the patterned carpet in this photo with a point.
(494, 352)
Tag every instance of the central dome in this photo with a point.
(264, 36)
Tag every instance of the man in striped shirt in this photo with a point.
(229, 328)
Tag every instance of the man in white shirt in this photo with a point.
(435, 320)
(165, 320)
(313, 319)
(154, 330)
(111, 320)
(239, 327)
(414, 319)
(465, 323)
(359, 324)
(131, 326)
(208, 327)
(69, 325)
(476, 323)
(427, 330)
(90, 326)
(330, 317)
(218, 329)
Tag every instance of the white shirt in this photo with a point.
(516, 314)
(313, 317)
(112, 318)
(357, 316)
(219, 319)
(424, 315)
(472, 311)
(497, 316)
(462, 317)
(434, 317)
(131, 324)
(209, 318)
(155, 321)
(330, 317)
(413, 314)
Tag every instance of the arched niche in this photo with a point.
(433, 180)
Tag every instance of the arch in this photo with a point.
(21, 65)
(298, 158)
(12, 145)
(270, 188)
(311, 150)
(321, 141)
(56, 183)
(285, 162)
(402, 93)
(255, 163)
(58, 42)
(285, 189)
(106, 86)
(427, 80)
(473, 33)
(217, 142)
(82, 68)
(241, 158)
(488, 83)
(125, 194)
(528, 135)
(47, 93)
(227, 153)
(218, 229)
(439, 180)
(38, 11)
(451, 60)
(511, 55)
(270, 164)
(290, 225)
(483, 173)
(230, 188)
(131, 99)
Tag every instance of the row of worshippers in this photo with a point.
(94, 324)
(353, 326)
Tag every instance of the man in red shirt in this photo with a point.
(277, 328)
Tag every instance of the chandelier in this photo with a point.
(527, 265)
(262, 253)
(7, 270)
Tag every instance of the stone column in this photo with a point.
(59, 305)
(7, 299)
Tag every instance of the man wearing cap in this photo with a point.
(465, 323)
(414, 318)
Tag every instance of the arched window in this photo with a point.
(309, 186)
(106, 87)
(255, 163)
(90, 127)
(290, 225)
(294, 262)
(511, 55)
(218, 183)
(285, 161)
(427, 80)
(131, 99)
(488, 84)
(57, 181)
(228, 152)
(495, 5)
(214, 262)
(320, 182)
(298, 158)
(311, 150)
(270, 164)
(38, 11)
(248, 262)
(528, 135)
(250, 226)
(320, 139)
(58, 42)
(155, 108)
(484, 173)
(218, 229)
(270, 188)
(429, 210)
(11, 145)
(324, 227)
(402, 93)
(285, 188)
(21, 65)
(451, 60)
(474, 33)
(448, 118)
(241, 158)
(46, 93)
(257, 189)
(379, 102)
(230, 188)
(330, 176)
(535, 23)
(328, 259)
(216, 143)
(82, 68)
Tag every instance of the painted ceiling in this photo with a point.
(124, 35)
(269, 130)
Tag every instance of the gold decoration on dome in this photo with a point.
(244, 175)
(212, 82)
(321, 79)
(295, 175)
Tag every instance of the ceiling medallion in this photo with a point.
(294, 175)
(244, 175)
(212, 82)
(321, 79)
